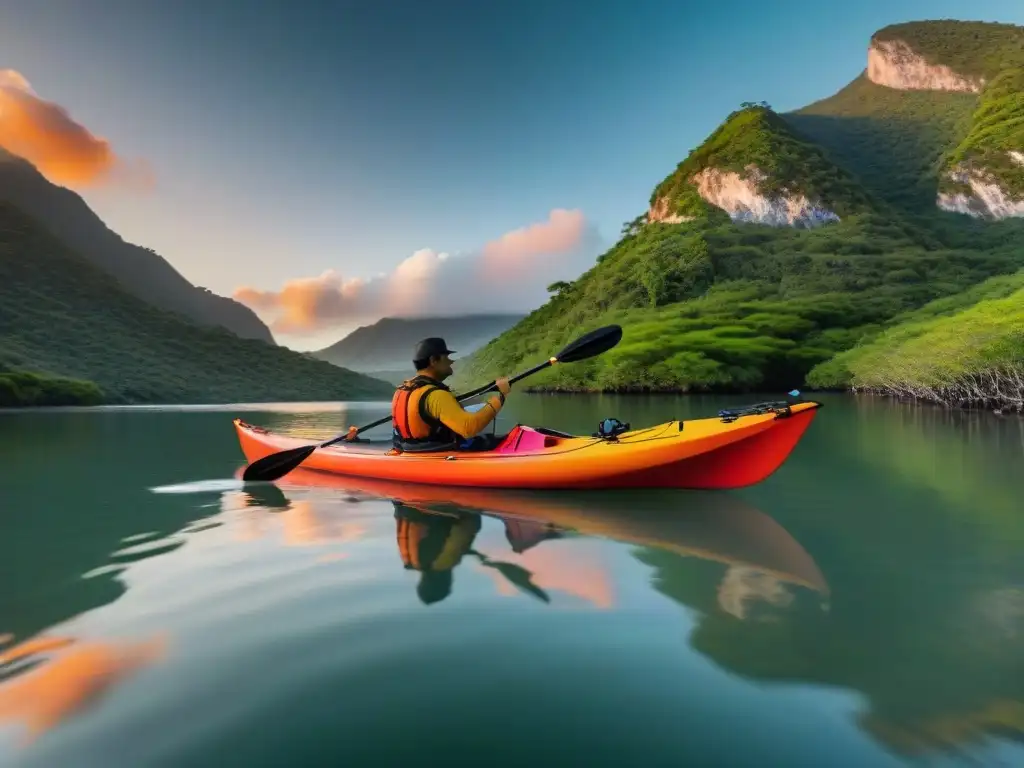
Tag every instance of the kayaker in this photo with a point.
(425, 413)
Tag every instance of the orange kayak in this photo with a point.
(733, 450)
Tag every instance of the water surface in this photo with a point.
(864, 606)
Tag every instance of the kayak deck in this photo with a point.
(731, 450)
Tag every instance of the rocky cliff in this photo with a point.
(757, 169)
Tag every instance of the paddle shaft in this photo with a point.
(459, 398)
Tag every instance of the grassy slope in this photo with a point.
(708, 305)
(733, 308)
(62, 316)
(966, 349)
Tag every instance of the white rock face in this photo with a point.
(987, 199)
(740, 198)
(895, 64)
(660, 212)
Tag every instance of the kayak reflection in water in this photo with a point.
(434, 542)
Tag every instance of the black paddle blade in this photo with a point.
(276, 464)
(594, 343)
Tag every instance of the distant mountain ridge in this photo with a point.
(140, 270)
(387, 345)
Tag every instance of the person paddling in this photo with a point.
(425, 413)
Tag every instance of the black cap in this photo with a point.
(430, 347)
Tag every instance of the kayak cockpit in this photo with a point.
(524, 439)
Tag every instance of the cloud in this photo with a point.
(515, 252)
(305, 304)
(63, 150)
(508, 274)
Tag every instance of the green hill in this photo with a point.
(61, 316)
(710, 299)
(141, 271)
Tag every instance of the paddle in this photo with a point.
(279, 464)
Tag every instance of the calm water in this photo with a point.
(864, 606)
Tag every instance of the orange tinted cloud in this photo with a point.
(304, 304)
(63, 150)
(507, 274)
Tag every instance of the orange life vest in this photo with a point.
(412, 423)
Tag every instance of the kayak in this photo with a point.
(738, 448)
(716, 527)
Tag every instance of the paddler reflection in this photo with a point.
(763, 563)
(434, 542)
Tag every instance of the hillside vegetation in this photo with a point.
(140, 271)
(24, 388)
(69, 333)
(719, 305)
(964, 350)
(732, 308)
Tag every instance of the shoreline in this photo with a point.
(342, 405)
(1007, 407)
(264, 405)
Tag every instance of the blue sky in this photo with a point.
(290, 138)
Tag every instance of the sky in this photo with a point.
(331, 163)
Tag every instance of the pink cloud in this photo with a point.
(305, 304)
(508, 274)
(514, 252)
